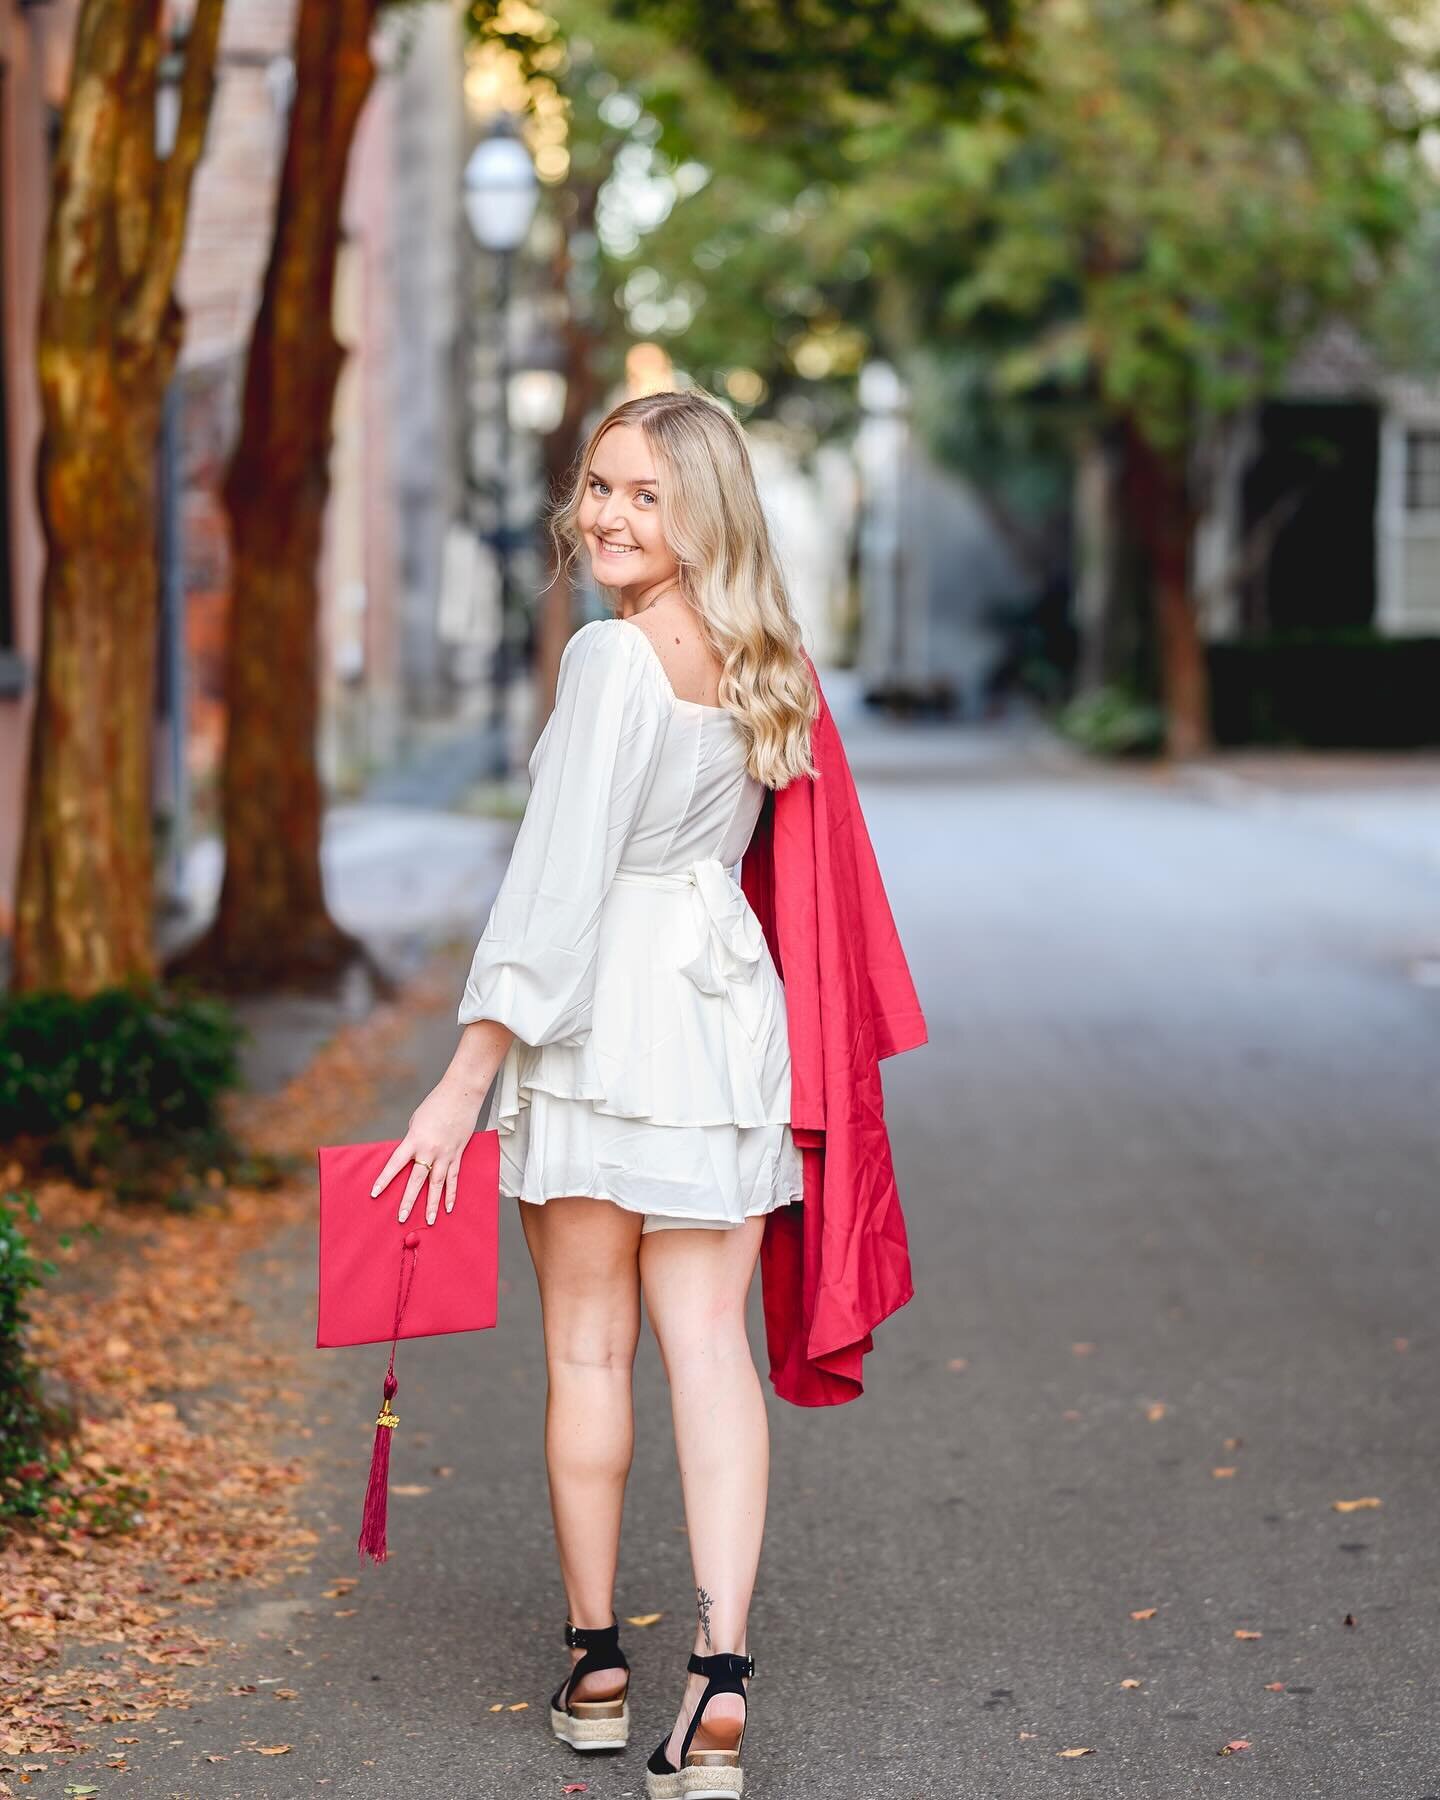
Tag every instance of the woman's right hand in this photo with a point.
(444, 1122)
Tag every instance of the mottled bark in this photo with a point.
(1164, 520)
(109, 335)
(273, 927)
(562, 446)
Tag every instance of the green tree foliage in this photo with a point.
(686, 189)
(805, 65)
(1187, 193)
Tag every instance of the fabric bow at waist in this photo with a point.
(731, 941)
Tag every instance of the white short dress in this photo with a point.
(651, 1062)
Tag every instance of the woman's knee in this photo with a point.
(585, 1254)
(592, 1339)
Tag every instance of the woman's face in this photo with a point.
(619, 516)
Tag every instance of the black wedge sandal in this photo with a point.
(592, 1724)
(704, 1774)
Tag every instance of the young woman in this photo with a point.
(624, 994)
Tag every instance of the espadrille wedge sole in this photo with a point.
(588, 1725)
(699, 1780)
(704, 1774)
(593, 1724)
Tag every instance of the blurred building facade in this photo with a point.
(937, 578)
(1315, 558)
(1324, 507)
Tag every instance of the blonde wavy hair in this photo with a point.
(712, 520)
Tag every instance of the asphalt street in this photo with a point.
(1170, 1166)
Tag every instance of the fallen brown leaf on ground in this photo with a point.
(178, 1399)
(1355, 1505)
(1235, 1744)
(1249, 1634)
(1083, 1750)
(1145, 1612)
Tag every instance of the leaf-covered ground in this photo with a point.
(178, 1397)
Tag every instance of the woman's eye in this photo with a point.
(596, 484)
(642, 495)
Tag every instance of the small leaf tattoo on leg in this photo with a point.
(702, 1606)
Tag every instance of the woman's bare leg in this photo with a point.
(585, 1256)
(695, 1283)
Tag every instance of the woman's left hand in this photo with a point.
(440, 1128)
(444, 1121)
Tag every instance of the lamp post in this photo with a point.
(501, 192)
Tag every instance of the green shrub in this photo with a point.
(1327, 690)
(152, 1061)
(125, 1086)
(1113, 722)
(25, 1424)
(35, 1455)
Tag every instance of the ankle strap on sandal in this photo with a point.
(723, 1675)
(723, 1669)
(601, 1644)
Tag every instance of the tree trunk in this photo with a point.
(1165, 523)
(109, 336)
(562, 446)
(273, 927)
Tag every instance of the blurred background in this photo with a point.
(1089, 353)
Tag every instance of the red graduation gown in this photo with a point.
(833, 1268)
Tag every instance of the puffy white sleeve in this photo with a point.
(534, 967)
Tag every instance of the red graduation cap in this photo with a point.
(380, 1280)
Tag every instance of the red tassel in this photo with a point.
(372, 1524)
(377, 1493)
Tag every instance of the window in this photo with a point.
(1422, 471)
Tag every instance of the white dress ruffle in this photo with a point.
(651, 1065)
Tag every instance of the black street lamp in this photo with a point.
(501, 193)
